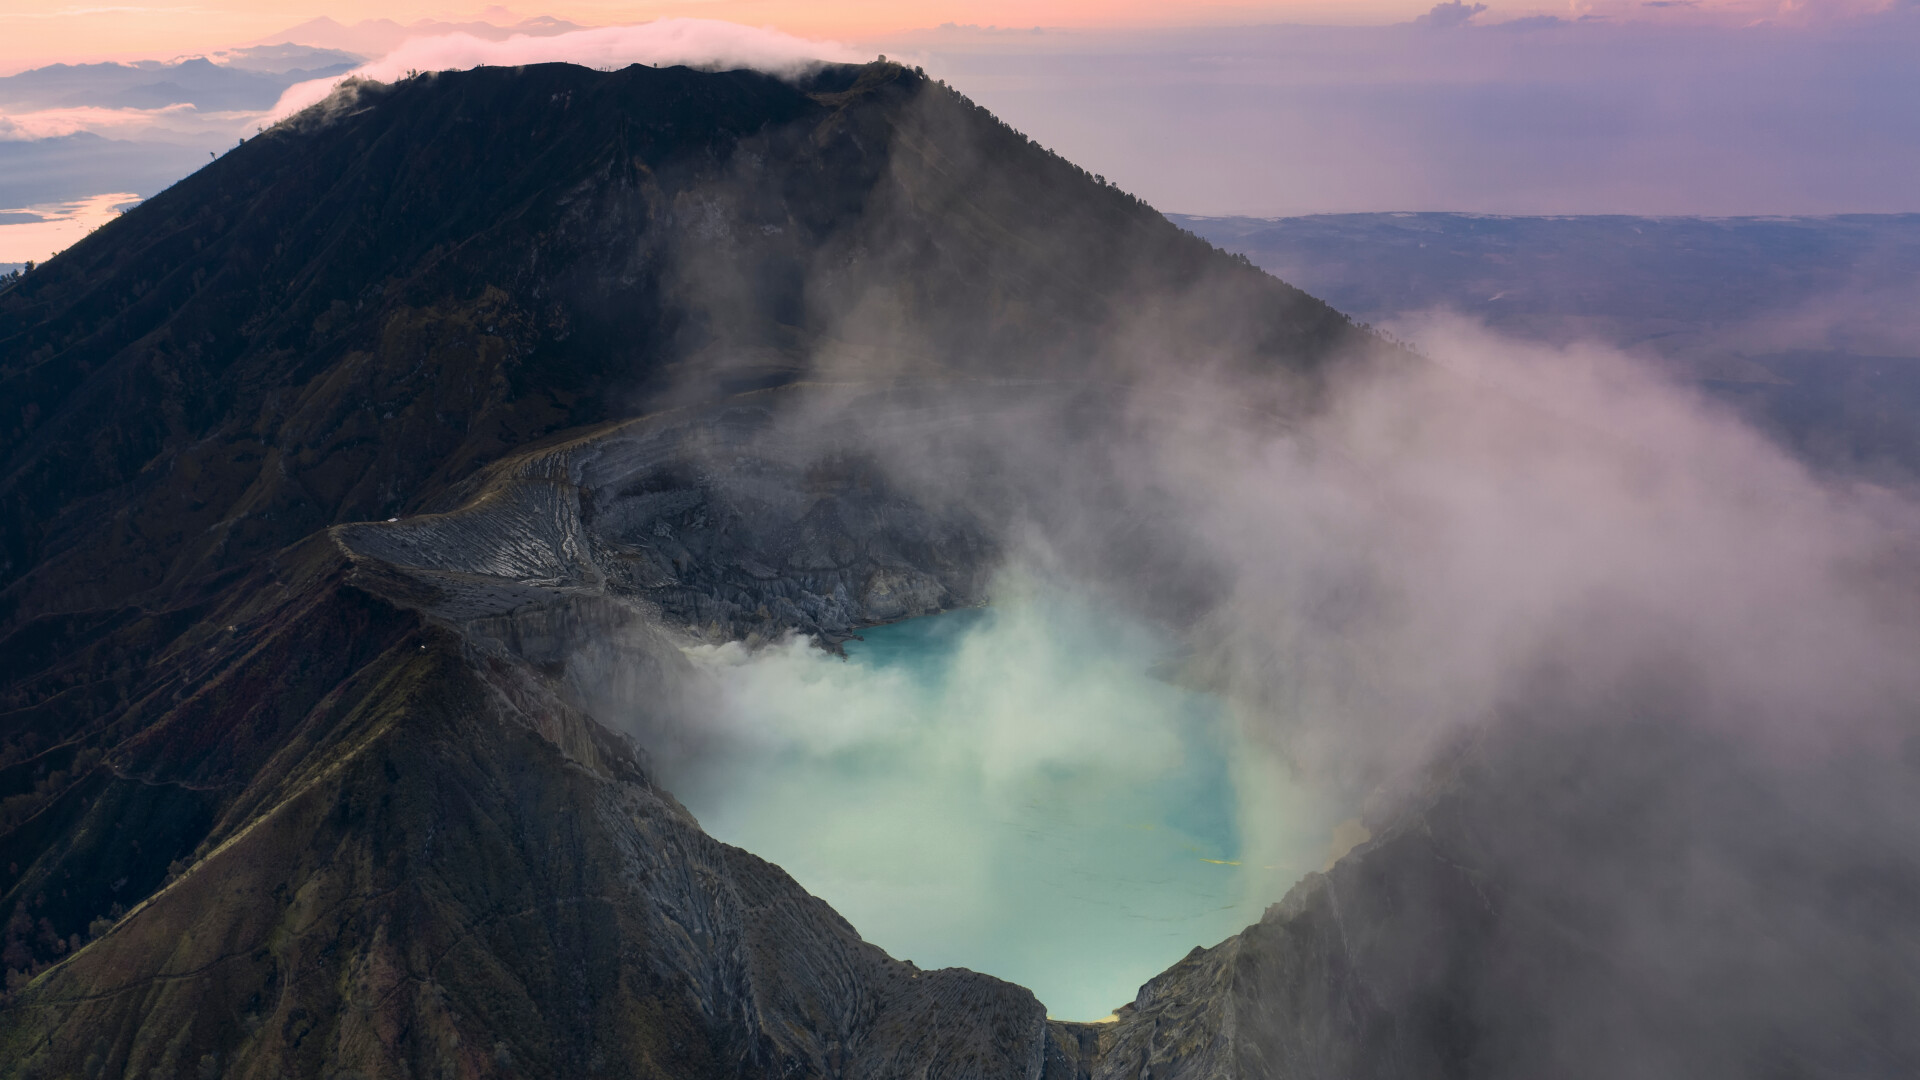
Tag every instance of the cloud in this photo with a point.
(1449, 13)
(117, 122)
(701, 43)
(1551, 554)
(1054, 813)
(1413, 558)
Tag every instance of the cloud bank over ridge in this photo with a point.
(700, 43)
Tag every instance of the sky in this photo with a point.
(1533, 116)
(1271, 108)
(34, 32)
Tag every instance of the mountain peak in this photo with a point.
(570, 223)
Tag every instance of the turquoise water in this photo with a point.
(1007, 789)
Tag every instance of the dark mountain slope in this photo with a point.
(342, 317)
(421, 881)
(288, 795)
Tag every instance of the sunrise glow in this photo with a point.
(43, 31)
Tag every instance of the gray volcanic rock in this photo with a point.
(513, 835)
(684, 514)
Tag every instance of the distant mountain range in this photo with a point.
(253, 81)
(1810, 325)
(182, 123)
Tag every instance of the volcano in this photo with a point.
(322, 465)
(361, 490)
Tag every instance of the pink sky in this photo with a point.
(1720, 107)
(35, 32)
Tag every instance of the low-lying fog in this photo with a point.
(1018, 789)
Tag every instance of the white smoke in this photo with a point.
(1407, 564)
(1017, 793)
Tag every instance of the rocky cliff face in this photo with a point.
(445, 868)
(693, 515)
